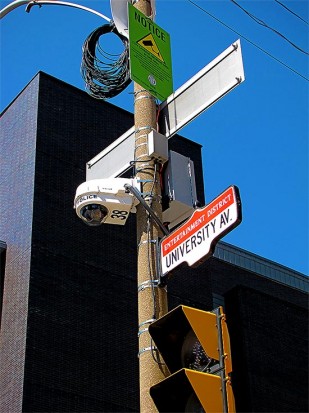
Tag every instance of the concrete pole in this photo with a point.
(152, 301)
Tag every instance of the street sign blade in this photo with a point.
(113, 160)
(194, 241)
(204, 89)
(209, 85)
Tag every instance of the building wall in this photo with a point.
(17, 169)
(69, 333)
(269, 340)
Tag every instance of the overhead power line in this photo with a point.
(262, 23)
(291, 11)
(249, 41)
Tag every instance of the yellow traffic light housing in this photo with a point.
(191, 391)
(195, 347)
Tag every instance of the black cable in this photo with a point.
(149, 220)
(291, 11)
(262, 23)
(107, 78)
(248, 40)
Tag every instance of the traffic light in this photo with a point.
(195, 346)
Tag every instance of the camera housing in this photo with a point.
(105, 201)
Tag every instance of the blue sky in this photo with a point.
(256, 137)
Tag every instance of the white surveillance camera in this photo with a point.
(105, 201)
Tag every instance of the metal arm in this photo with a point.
(138, 195)
(10, 7)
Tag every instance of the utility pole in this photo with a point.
(152, 300)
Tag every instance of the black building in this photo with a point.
(68, 291)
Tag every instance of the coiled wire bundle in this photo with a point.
(106, 78)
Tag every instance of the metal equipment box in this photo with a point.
(179, 189)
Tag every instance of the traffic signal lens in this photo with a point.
(193, 405)
(195, 347)
(193, 355)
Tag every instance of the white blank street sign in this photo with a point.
(113, 160)
(204, 89)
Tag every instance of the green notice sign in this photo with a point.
(150, 55)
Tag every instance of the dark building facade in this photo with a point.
(68, 339)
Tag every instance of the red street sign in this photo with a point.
(194, 241)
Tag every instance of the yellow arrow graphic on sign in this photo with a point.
(150, 45)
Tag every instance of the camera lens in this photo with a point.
(94, 214)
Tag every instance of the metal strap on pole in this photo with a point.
(143, 350)
(144, 323)
(148, 284)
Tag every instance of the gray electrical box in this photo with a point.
(179, 189)
(157, 146)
